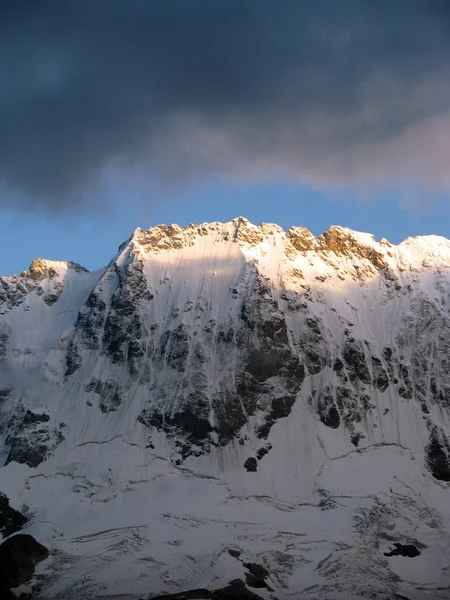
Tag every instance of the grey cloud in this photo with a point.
(354, 92)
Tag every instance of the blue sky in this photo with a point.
(101, 99)
(92, 239)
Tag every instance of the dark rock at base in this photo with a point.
(11, 520)
(408, 550)
(256, 575)
(251, 464)
(5, 594)
(236, 590)
(19, 556)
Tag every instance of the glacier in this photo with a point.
(225, 394)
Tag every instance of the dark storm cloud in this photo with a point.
(348, 92)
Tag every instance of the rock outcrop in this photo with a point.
(19, 556)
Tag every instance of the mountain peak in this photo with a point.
(41, 268)
(195, 364)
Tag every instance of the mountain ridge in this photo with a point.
(294, 233)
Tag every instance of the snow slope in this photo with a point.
(227, 386)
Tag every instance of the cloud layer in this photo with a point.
(328, 93)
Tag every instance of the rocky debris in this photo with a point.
(19, 556)
(251, 464)
(236, 590)
(33, 440)
(11, 520)
(408, 550)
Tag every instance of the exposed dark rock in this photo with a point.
(438, 455)
(5, 337)
(174, 347)
(355, 360)
(19, 556)
(111, 396)
(234, 553)
(73, 358)
(33, 440)
(32, 417)
(6, 594)
(11, 520)
(5, 393)
(338, 365)
(77, 267)
(280, 408)
(256, 576)
(90, 321)
(236, 590)
(355, 438)
(192, 422)
(327, 410)
(53, 294)
(380, 376)
(251, 464)
(263, 451)
(408, 550)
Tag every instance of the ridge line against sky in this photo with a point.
(130, 112)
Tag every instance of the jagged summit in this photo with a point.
(229, 401)
(41, 268)
(336, 239)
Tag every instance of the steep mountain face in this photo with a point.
(227, 399)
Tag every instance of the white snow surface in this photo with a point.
(126, 518)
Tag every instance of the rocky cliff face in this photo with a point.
(224, 395)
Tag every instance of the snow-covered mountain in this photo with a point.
(225, 395)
